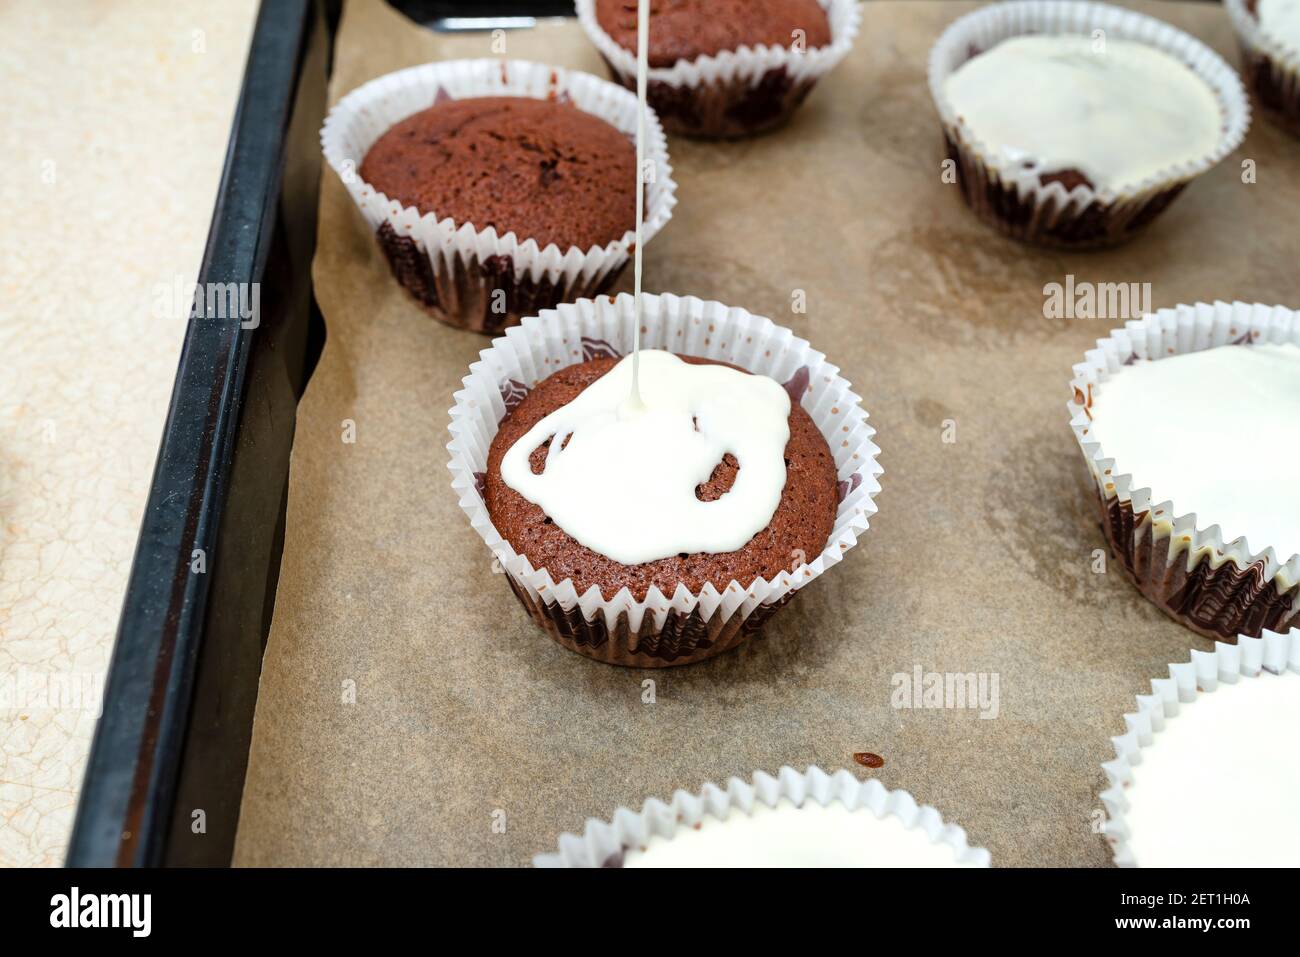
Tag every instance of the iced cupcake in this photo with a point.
(724, 68)
(791, 820)
(1189, 421)
(668, 534)
(1125, 111)
(1268, 32)
(497, 188)
(1207, 773)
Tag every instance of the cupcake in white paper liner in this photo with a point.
(812, 819)
(469, 277)
(1207, 773)
(1033, 204)
(734, 93)
(1270, 64)
(685, 626)
(1179, 559)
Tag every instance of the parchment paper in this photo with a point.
(474, 739)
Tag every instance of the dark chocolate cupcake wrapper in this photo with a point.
(1272, 71)
(1217, 589)
(463, 276)
(1014, 200)
(684, 627)
(736, 93)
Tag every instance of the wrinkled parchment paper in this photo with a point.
(473, 739)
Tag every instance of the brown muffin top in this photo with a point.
(686, 29)
(542, 169)
(797, 533)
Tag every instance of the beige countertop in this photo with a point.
(115, 117)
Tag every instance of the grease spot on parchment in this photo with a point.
(998, 283)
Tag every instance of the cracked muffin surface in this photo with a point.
(542, 169)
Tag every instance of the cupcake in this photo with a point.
(1189, 421)
(496, 189)
(1206, 775)
(724, 68)
(1125, 111)
(1268, 32)
(671, 538)
(791, 820)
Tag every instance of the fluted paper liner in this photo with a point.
(601, 840)
(453, 269)
(1270, 66)
(1248, 658)
(1012, 199)
(735, 92)
(685, 626)
(1219, 589)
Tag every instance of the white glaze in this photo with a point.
(1280, 19)
(642, 60)
(811, 835)
(1119, 116)
(624, 486)
(1215, 432)
(1218, 786)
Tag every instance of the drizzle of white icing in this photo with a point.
(1117, 110)
(1216, 432)
(624, 485)
(642, 67)
(811, 835)
(1217, 787)
(1281, 19)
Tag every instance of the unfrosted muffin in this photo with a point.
(498, 188)
(724, 68)
(540, 169)
(686, 29)
(798, 529)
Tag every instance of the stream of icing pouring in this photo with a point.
(642, 68)
(626, 456)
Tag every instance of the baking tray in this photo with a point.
(182, 682)
(183, 678)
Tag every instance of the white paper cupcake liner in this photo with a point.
(1270, 66)
(737, 92)
(1219, 589)
(685, 626)
(1249, 658)
(603, 843)
(1013, 199)
(453, 269)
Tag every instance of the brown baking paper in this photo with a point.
(410, 711)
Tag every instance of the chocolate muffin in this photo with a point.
(1268, 34)
(541, 169)
(686, 29)
(796, 534)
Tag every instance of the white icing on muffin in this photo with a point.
(1116, 110)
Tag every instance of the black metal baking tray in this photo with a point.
(178, 703)
(166, 770)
